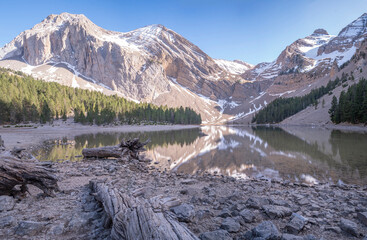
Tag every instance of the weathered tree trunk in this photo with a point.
(14, 171)
(132, 218)
(129, 149)
(102, 152)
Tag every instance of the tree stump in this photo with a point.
(134, 219)
(14, 171)
(129, 149)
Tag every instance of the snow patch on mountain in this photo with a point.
(312, 43)
(233, 67)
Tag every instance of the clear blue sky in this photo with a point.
(249, 30)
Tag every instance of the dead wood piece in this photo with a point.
(129, 149)
(14, 171)
(134, 218)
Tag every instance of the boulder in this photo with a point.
(274, 211)
(349, 227)
(296, 223)
(265, 231)
(231, 225)
(7, 203)
(247, 215)
(215, 235)
(184, 212)
(362, 216)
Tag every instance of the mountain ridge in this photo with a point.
(157, 65)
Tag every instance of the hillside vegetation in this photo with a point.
(282, 108)
(24, 99)
(352, 105)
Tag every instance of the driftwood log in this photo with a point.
(135, 219)
(129, 149)
(14, 171)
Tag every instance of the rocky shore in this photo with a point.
(210, 206)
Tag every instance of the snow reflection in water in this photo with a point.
(309, 155)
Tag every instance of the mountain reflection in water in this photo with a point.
(298, 154)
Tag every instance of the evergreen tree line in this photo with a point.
(24, 99)
(352, 105)
(282, 108)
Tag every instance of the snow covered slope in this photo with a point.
(234, 67)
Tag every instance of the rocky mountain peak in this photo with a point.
(319, 32)
(355, 29)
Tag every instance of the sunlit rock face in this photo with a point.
(152, 64)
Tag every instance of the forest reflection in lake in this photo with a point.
(299, 154)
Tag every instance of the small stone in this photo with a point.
(281, 202)
(333, 229)
(189, 181)
(6, 221)
(202, 214)
(231, 225)
(225, 213)
(274, 211)
(184, 212)
(296, 223)
(349, 227)
(257, 202)
(184, 191)
(309, 237)
(287, 236)
(303, 201)
(362, 216)
(247, 215)
(215, 235)
(7, 203)
(29, 228)
(56, 230)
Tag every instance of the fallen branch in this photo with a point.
(133, 218)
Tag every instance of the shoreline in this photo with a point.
(30, 137)
(210, 206)
(345, 127)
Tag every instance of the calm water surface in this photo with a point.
(298, 154)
